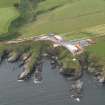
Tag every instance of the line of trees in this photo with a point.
(27, 11)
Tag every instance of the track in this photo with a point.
(57, 40)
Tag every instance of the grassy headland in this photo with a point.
(75, 18)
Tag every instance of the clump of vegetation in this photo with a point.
(37, 49)
(68, 61)
(92, 63)
(26, 13)
(96, 55)
(7, 14)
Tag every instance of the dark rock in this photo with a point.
(100, 79)
(26, 74)
(67, 72)
(76, 89)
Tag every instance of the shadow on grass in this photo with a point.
(9, 36)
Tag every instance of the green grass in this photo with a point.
(7, 14)
(96, 30)
(99, 48)
(77, 18)
(48, 4)
(7, 3)
(74, 36)
(69, 17)
(59, 16)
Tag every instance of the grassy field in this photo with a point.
(7, 14)
(7, 3)
(99, 48)
(72, 19)
(59, 16)
(69, 16)
(77, 18)
(96, 30)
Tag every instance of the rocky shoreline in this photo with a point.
(26, 58)
(69, 66)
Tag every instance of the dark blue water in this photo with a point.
(54, 89)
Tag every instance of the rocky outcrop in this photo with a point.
(23, 59)
(26, 71)
(67, 72)
(30, 68)
(54, 62)
(76, 89)
(13, 56)
(38, 72)
(3, 55)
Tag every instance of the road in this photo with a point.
(74, 46)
